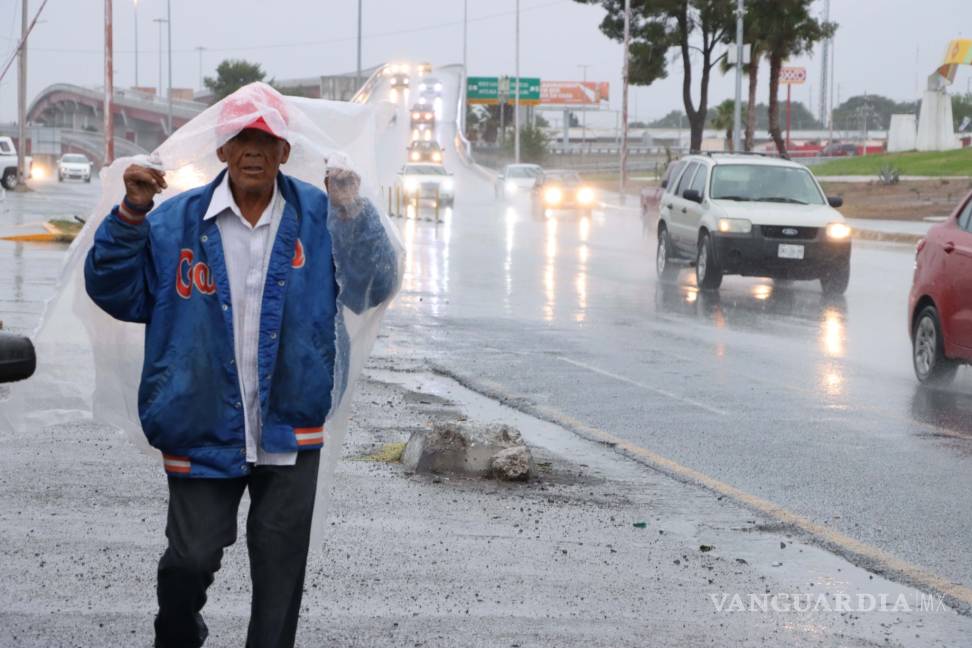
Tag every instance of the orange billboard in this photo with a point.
(573, 93)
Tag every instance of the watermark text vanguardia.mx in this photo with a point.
(824, 602)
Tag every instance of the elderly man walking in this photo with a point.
(236, 284)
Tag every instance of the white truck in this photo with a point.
(8, 163)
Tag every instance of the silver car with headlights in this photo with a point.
(427, 181)
(751, 215)
(517, 180)
(74, 166)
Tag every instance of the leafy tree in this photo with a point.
(723, 118)
(231, 75)
(533, 144)
(850, 114)
(674, 119)
(784, 28)
(695, 27)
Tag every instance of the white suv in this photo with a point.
(751, 215)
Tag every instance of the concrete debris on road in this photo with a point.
(469, 449)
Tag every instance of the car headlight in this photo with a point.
(510, 186)
(438, 87)
(735, 226)
(553, 195)
(838, 231)
(585, 195)
(437, 157)
(415, 156)
(416, 115)
(448, 184)
(411, 184)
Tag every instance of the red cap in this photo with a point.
(264, 103)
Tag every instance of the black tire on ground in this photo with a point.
(708, 272)
(17, 360)
(667, 271)
(9, 179)
(88, 179)
(60, 178)
(835, 281)
(928, 350)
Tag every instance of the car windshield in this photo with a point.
(425, 146)
(563, 177)
(424, 169)
(523, 172)
(765, 183)
(75, 159)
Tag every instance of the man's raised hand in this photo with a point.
(142, 184)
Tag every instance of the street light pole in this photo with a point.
(136, 43)
(737, 109)
(465, 61)
(160, 21)
(109, 88)
(22, 101)
(583, 68)
(358, 74)
(624, 99)
(516, 94)
(200, 49)
(168, 17)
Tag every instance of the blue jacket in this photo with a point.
(168, 273)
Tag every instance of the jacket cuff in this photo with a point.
(120, 214)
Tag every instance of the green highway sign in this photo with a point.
(491, 90)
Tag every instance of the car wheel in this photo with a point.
(60, 178)
(928, 350)
(835, 281)
(667, 271)
(708, 273)
(9, 179)
(87, 179)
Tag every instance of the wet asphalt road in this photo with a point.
(805, 401)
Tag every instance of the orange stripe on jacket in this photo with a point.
(176, 464)
(309, 435)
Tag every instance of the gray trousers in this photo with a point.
(202, 522)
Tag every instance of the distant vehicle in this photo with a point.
(754, 216)
(651, 196)
(425, 151)
(423, 68)
(422, 117)
(517, 179)
(418, 181)
(399, 81)
(940, 302)
(8, 163)
(430, 85)
(839, 150)
(562, 189)
(74, 165)
(17, 358)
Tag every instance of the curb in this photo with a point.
(899, 238)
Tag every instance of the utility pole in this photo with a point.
(160, 21)
(200, 49)
(358, 73)
(583, 68)
(824, 66)
(136, 43)
(465, 62)
(516, 92)
(624, 99)
(22, 102)
(168, 4)
(737, 109)
(109, 89)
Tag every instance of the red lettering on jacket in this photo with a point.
(299, 258)
(184, 278)
(189, 275)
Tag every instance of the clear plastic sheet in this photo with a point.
(90, 362)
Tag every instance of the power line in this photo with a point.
(333, 41)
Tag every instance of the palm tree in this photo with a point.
(723, 118)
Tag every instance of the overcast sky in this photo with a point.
(882, 46)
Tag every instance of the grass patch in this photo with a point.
(67, 229)
(930, 163)
(388, 453)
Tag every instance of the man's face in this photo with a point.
(253, 158)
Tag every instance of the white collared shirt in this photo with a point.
(247, 252)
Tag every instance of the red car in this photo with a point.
(940, 304)
(651, 196)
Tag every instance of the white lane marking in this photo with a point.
(655, 390)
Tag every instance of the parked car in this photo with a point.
(940, 302)
(562, 189)
(418, 181)
(74, 165)
(8, 163)
(755, 216)
(517, 179)
(651, 196)
(839, 150)
(425, 151)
